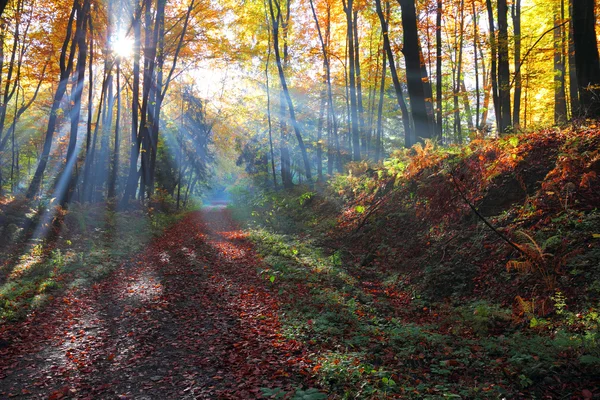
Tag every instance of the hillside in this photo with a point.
(472, 271)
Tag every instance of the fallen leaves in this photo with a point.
(204, 324)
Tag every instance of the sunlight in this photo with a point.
(122, 46)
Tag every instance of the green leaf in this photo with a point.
(360, 209)
(514, 141)
(309, 394)
(589, 360)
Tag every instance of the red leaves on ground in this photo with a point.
(189, 316)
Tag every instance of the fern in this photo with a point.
(534, 259)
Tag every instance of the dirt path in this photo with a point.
(188, 318)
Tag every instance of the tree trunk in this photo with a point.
(438, 70)
(352, 80)
(516, 17)
(268, 105)
(378, 140)
(416, 91)
(586, 57)
(503, 68)
(112, 182)
(494, 65)
(408, 133)
(66, 66)
(286, 93)
(476, 64)
(457, 78)
(560, 102)
(132, 179)
(66, 192)
(359, 96)
(573, 88)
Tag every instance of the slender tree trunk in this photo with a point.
(467, 105)
(13, 149)
(428, 93)
(132, 179)
(158, 98)
(77, 91)
(573, 89)
(286, 93)
(560, 102)
(494, 65)
(487, 88)
(408, 133)
(112, 182)
(379, 141)
(348, 9)
(66, 67)
(268, 104)
(503, 68)
(458, 79)
(320, 132)
(359, 96)
(438, 69)
(516, 17)
(326, 65)
(476, 64)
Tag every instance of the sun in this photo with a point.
(122, 46)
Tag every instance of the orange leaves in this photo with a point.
(587, 179)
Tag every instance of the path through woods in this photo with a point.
(188, 318)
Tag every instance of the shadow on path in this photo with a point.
(187, 318)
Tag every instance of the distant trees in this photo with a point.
(321, 84)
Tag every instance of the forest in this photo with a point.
(299, 199)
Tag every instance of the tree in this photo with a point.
(352, 79)
(66, 66)
(560, 101)
(586, 57)
(408, 133)
(503, 69)
(412, 55)
(438, 69)
(275, 18)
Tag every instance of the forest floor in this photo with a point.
(189, 317)
(381, 284)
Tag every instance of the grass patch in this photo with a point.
(91, 243)
(474, 350)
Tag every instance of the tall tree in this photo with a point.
(134, 153)
(586, 57)
(416, 91)
(275, 18)
(573, 88)
(67, 55)
(493, 66)
(560, 101)
(379, 132)
(503, 68)
(408, 132)
(438, 69)
(348, 9)
(516, 17)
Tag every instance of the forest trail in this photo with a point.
(188, 318)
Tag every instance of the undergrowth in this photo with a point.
(408, 293)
